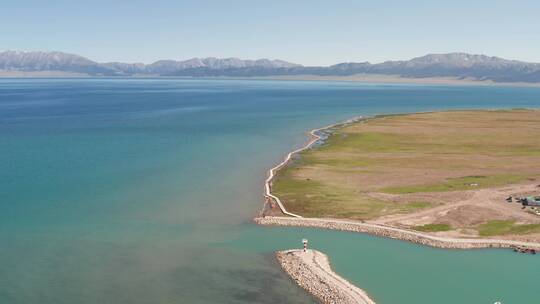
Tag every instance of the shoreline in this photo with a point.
(329, 287)
(394, 80)
(369, 228)
(314, 137)
(311, 270)
(390, 79)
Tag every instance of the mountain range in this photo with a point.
(454, 65)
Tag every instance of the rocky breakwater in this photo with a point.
(396, 233)
(311, 270)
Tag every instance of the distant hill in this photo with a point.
(455, 65)
(58, 61)
(49, 61)
(461, 65)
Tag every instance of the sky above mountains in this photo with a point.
(306, 32)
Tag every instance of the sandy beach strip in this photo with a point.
(311, 270)
(396, 233)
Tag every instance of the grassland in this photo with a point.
(404, 164)
(315, 199)
(502, 227)
(433, 227)
(459, 183)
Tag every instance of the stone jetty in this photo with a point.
(311, 270)
(396, 233)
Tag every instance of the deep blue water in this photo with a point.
(142, 191)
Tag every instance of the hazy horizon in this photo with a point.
(308, 33)
(259, 58)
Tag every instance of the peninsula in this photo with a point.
(455, 179)
(447, 174)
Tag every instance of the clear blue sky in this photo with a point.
(308, 32)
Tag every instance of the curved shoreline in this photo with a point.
(311, 270)
(329, 287)
(314, 137)
(369, 228)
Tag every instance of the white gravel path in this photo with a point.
(314, 137)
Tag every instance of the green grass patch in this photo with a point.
(418, 205)
(488, 142)
(501, 227)
(339, 163)
(459, 184)
(312, 198)
(433, 227)
(368, 142)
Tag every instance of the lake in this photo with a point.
(143, 191)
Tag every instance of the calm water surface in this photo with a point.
(142, 191)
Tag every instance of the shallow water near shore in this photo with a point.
(142, 191)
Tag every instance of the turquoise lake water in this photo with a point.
(142, 191)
